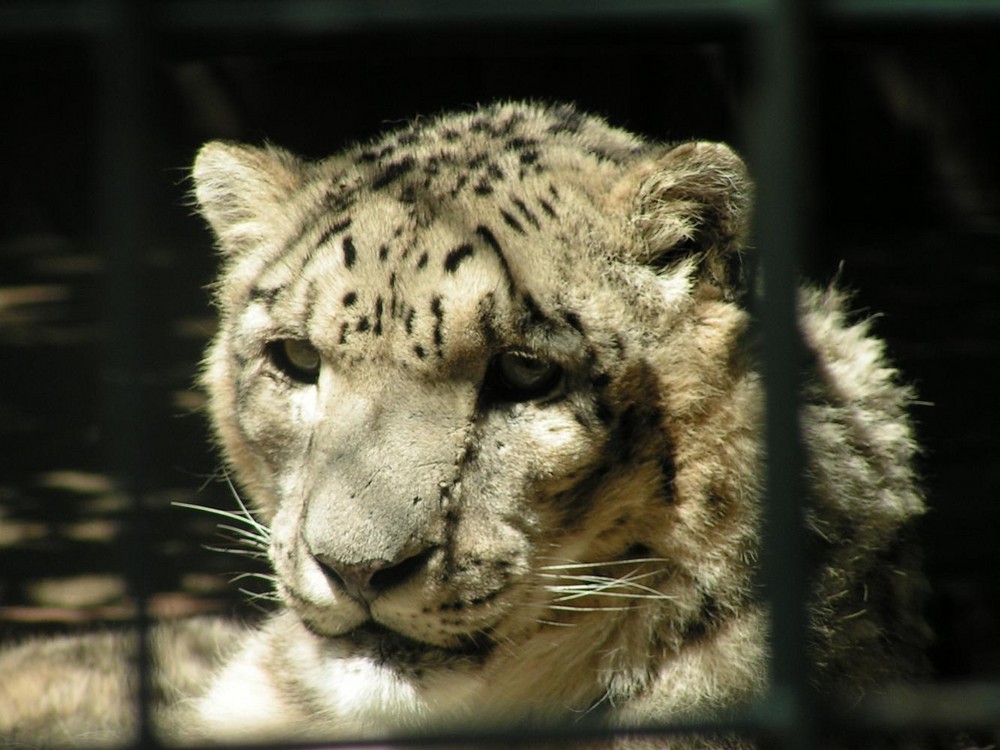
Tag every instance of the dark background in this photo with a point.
(906, 206)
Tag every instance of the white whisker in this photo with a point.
(251, 539)
(625, 588)
(252, 554)
(611, 594)
(579, 565)
(565, 608)
(631, 576)
(262, 576)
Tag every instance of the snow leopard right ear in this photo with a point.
(692, 201)
(238, 187)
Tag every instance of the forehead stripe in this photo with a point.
(337, 228)
(456, 256)
(484, 233)
(510, 221)
(393, 172)
(350, 253)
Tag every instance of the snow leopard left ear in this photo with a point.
(238, 189)
(694, 200)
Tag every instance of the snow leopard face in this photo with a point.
(486, 382)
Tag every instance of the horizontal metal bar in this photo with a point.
(922, 708)
(34, 17)
(968, 706)
(346, 15)
(326, 16)
(922, 11)
(27, 18)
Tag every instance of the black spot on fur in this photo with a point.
(708, 618)
(510, 221)
(350, 253)
(518, 143)
(343, 332)
(456, 256)
(526, 213)
(547, 208)
(379, 305)
(600, 380)
(393, 172)
(574, 321)
(339, 198)
(535, 313)
(408, 195)
(483, 187)
(529, 157)
(460, 183)
(438, 313)
(419, 351)
(383, 253)
(408, 321)
(363, 323)
(484, 233)
(394, 305)
(371, 155)
(349, 299)
(340, 226)
(422, 261)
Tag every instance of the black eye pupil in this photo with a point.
(516, 376)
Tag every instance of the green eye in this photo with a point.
(517, 376)
(296, 358)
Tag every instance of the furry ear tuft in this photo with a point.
(694, 199)
(237, 188)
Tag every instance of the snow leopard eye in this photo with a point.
(295, 358)
(518, 376)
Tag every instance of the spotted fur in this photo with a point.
(488, 384)
(587, 548)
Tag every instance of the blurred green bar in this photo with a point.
(21, 17)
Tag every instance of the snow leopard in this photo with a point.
(490, 387)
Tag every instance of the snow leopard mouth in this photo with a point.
(392, 646)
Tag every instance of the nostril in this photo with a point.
(353, 579)
(370, 579)
(390, 576)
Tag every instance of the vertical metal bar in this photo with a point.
(123, 223)
(779, 155)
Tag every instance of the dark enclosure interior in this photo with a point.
(905, 171)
